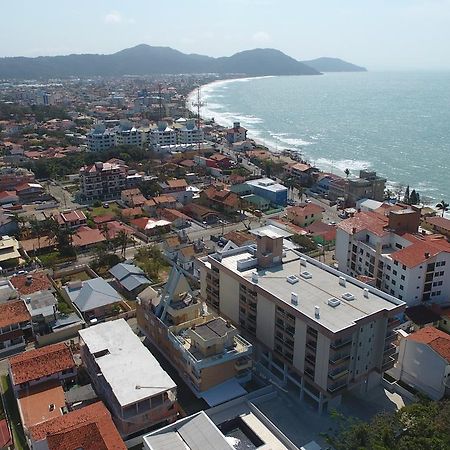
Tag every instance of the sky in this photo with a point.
(378, 34)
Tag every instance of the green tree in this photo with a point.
(305, 242)
(347, 172)
(406, 197)
(414, 198)
(442, 206)
(421, 426)
(122, 240)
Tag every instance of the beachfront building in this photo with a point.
(137, 391)
(163, 135)
(100, 138)
(350, 190)
(320, 331)
(206, 349)
(189, 133)
(236, 133)
(400, 260)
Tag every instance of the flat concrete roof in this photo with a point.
(125, 362)
(321, 284)
(267, 184)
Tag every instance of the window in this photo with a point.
(402, 277)
(401, 287)
(388, 267)
(394, 272)
(395, 263)
(403, 267)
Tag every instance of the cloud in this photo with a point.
(261, 37)
(113, 17)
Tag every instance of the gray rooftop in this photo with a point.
(92, 294)
(129, 276)
(195, 432)
(40, 303)
(271, 231)
(320, 284)
(128, 367)
(267, 184)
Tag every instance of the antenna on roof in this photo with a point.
(198, 104)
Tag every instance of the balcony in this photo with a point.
(338, 358)
(243, 363)
(338, 373)
(388, 363)
(391, 336)
(394, 322)
(311, 345)
(341, 343)
(389, 350)
(335, 387)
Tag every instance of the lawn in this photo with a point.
(100, 211)
(13, 414)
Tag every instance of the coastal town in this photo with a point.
(168, 282)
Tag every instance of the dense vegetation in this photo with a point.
(420, 426)
(57, 168)
(10, 111)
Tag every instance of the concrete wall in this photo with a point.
(265, 322)
(229, 297)
(299, 345)
(322, 357)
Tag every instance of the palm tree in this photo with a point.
(442, 206)
(122, 241)
(347, 172)
(36, 228)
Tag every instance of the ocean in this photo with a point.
(397, 123)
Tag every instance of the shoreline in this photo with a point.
(324, 166)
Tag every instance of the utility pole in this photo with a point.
(198, 104)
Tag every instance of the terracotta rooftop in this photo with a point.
(35, 403)
(305, 209)
(131, 212)
(40, 363)
(438, 340)
(239, 237)
(89, 428)
(71, 216)
(87, 236)
(13, 312)
(103, 219)
(32, 282)
(440, 222)
(421, 249)
(175, 184)
(369, 221)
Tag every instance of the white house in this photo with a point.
(424, 362)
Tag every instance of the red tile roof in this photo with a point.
(438, 340)
(87, 236)
(103, 219)
(71, 216)
(305, 209)
(369, 221)
(421, 249)
(5, 435)
(89, 428)
(41, 362)
(32, 282)
(13, 312)
(132, 212)
(440, 222)
(175, 184)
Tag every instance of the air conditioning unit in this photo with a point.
(333, 301)
(348, 296)
(292, 279)
(306, 275)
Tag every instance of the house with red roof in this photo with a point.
(15, 327)
(424, 361)
(88, 428)
(86, 237)
(439, 225)
(49, 363)
(405, 262)
(71, 219)
(304, 214)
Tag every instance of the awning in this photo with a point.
(223, 392)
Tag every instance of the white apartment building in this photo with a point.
(189, 134)
(319, 331)
(163, 135)
(137, 391)
(398, 260)
(101, 138)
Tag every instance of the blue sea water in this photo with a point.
(397, 123)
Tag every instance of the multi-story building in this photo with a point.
(189, 134)
(305, 214)
(206, 349)
(137, 391)
(50, 363)
(11, 177)
(320, 331)
(368, 185)
(270, 190)
(409, 265)
(102, 181)
(237, 133)
(100, 138)
(163, 135)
